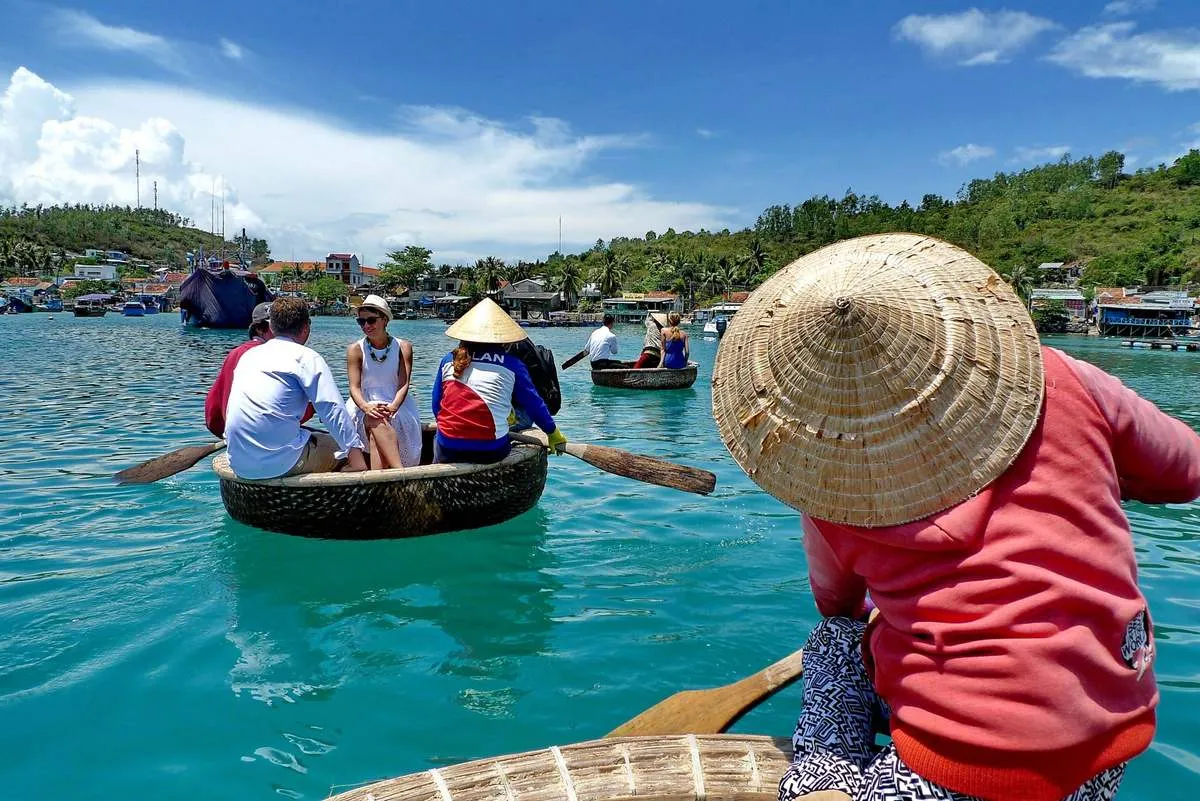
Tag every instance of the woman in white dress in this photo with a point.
(380, 368)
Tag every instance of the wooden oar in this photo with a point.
(574, 359)
(715, 710)
(168, 464)
(632, 465)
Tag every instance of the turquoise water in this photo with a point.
(150, 645)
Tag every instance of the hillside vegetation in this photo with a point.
(1130, 230)
(152, 235)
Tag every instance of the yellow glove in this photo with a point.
(512, 419)
(557, 441)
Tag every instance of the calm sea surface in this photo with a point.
(151, 647)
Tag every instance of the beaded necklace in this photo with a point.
(381, 358)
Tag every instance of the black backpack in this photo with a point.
(539, 361)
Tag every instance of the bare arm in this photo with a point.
(687, 348)
(354, 370)
(406, 358)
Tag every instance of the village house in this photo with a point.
(632, 307)
(1071, 298)
(1154, 315)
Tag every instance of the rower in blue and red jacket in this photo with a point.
(477, 387)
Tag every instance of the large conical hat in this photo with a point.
(486, 322)
(878, 380)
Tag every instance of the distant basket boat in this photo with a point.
(383, 504)
(648, 378)
(700, 767)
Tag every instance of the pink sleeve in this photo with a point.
(1157, 456)
(837, 591)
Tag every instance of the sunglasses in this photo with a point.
(365, 321)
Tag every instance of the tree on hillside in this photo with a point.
(569, 281)
(1020, 278)
(325, 290)
(489, 272)
(609, 273)
(404, 267)
(1109, 168)
(1186, 169)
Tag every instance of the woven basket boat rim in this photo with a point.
(643, 370)
(645, 753)
(220, 466)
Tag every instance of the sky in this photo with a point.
(472, 128)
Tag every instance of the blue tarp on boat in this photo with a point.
(221, 298)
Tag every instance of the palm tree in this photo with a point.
(1021, 280)
(489, 273)
(569, 281)
(8, 258)
(610, 273)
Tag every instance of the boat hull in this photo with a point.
(649, 378)
(388, 504)
(716, 767)
(89, 312)
(133, 311)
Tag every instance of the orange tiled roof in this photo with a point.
(292, 286)
(22, 281)
(156, 289)
(370, 270)
(175, 278)
(659, 295)
(738, 297)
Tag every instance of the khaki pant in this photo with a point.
(317, 456)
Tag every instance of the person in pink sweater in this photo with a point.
(961, 492)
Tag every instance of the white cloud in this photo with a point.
(232, 50)
(1030, 155)
(1170, 59)
(455, 182)
(1122, 8)
(79, 28)
(705, 133)
(972, 37)
(965, 154)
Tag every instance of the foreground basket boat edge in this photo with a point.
(646, 378)
(664, 768)
(382, 504)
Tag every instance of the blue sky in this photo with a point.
(470, 127)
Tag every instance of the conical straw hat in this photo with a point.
(878, 380)
(486, 322)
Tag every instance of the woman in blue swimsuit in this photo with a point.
(675, 344)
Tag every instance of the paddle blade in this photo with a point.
(574, 359)
(713, 711)
(645, 468)
(166, 465)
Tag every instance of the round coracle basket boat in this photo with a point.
(692, 767)
(382, 504)
(647, 378)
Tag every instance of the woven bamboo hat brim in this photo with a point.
(878, 380)
(486, 322)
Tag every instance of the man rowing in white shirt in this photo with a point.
(602, 346)
(272, 386)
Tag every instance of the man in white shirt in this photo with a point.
(602, 346)
(272, 385)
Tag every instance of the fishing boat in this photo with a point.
(220, 295)
(384, 504)
(150, 303)
(716, 326)
(647, 378)
(689, 767)
(91, 305)
(133, 308)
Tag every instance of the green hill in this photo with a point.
(31, 235)
(1139, 229)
